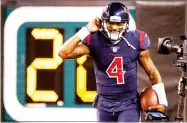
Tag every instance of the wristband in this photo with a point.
(160, 90)
(83, 33)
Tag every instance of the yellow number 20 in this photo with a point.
(44, 63)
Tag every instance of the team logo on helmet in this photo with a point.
(126, 10)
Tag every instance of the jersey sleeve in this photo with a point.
(144, 40)
(87, 40)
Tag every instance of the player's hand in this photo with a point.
(159, 107)
(94, 25)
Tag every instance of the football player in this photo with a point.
(115, 50)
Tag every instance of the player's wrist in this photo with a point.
(88, 28)
(160, 90)
(83, 33)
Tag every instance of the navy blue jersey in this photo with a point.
(115, 65)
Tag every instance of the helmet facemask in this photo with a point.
(114, 30)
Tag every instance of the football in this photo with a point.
(148, 97)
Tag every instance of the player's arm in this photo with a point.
(146, 62)
(74, 46)
(154, 76)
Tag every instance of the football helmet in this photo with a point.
(115, 20)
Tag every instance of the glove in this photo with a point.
(156, 116)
